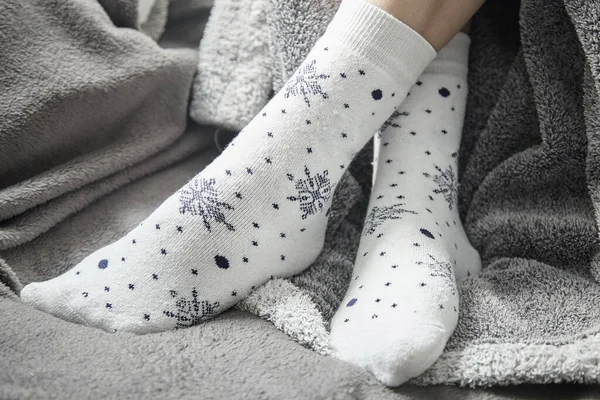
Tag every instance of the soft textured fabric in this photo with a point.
(152, 17)
(402, 304)
(260, 209)
(294, 26)
(528, 194)
(233, 81)
(61, 130)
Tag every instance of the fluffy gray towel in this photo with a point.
(66, 137)
(530, 169)
(294, 27)
(152, 17)
(234, 68)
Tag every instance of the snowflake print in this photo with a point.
(446, 185)
(306, 82)
(313, 192)
(379, 215)
(441, 269)
(200, 197)
(191, 312)
(392, 121)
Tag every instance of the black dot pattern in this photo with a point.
(221, 262)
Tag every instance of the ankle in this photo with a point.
(436, 20)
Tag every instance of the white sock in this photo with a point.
(402, 303)
(260, 209)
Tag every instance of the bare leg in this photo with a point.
(436, 20)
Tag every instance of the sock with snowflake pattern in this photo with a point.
(402, 303)
(260, 208)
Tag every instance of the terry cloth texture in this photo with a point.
(529, 199)
(152, 17)
(294, 27)
(234, 69)
(65, 138)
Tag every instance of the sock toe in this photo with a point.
(47, 298)
(396, 356)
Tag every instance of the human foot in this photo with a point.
(402, 304)
(260, 209)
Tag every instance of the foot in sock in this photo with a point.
(402, 303)
(260, 209)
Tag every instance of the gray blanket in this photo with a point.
(529, 197)
(86, 104)
(233, 356)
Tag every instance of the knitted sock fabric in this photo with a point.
(260, 208)
(402, 304)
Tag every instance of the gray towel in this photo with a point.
(530, 188)
(234, 69)
(294, 27)
(65, 135)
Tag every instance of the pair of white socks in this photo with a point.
(260, 209)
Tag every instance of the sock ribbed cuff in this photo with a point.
(384, 40)
(453, 58)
